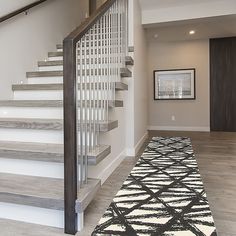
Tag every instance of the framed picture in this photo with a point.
(174, 84)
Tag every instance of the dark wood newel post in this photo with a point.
(70, 135)
(92, 6)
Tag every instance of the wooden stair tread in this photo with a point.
(49, 103)
(47, 152)
(47, 124)
(60, 46)
(128, 60)
(42, 192)
(57, 86)
(124, 72)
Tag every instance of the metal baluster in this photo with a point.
(107, 44)
(93, 84)
(97, 80)
(127, 26)
(86, 100)
(112, 55)
(109, 61)
(81, 117)
(102, 72)
(89, 68)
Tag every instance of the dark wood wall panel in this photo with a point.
(223, 84)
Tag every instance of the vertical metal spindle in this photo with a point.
(123, 28)
(127, 26)
(93, 81)
(107, 62)
(102, 67)
(99, 51)
(119, 33)
(97, 80)
(81, 129)
(114, 48)
(86, 101)
(89, 69)
(112, 54)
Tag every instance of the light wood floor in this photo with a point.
(216, 156)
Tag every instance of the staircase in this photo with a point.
(32, 138)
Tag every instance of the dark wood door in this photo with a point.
(223, 84)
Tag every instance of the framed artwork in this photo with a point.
(174, 84)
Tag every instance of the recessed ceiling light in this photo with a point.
(155, 36)
(192, 32)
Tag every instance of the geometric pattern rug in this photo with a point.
(163, 195)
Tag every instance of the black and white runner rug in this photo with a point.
(163, 195)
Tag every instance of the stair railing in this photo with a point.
(21, 10)
(93, 57)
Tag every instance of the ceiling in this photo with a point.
(152, 4)
(213, 27)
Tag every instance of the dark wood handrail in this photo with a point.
(19, 11)
(70, 115)
(79, 32)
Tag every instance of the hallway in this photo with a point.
(216, 156)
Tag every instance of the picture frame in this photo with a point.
(174, 84)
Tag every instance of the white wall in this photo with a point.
(191, 10)
(26, 39)
(189, 114)
(136, 114)
(12, 5)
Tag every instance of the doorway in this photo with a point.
(223, 84)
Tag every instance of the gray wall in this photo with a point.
(189, 115)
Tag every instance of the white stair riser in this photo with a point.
(55, 95)
(41, 113)
(46, 80)
(60, 68)
(55, 58)
(32, 112)
(35, 215)
(35, 135)
(31, 135)
(31, 168)
(50, 68)
(38, 95)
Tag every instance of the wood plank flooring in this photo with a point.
(216, 156)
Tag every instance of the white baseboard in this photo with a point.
(106, 172)
(179, 128)
(134, 151)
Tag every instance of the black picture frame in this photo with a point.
(175, 84)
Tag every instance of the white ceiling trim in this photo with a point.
(189, 11)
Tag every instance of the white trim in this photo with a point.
(106, 172)
(179, 128)
(134, 151)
